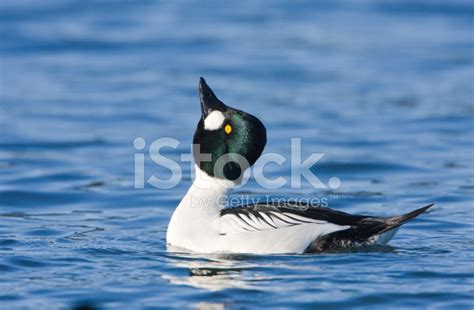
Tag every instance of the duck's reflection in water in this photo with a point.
(210, 306)
(214, 272)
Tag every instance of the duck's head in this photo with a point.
(234, 139)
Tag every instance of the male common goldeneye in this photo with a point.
(201, 223)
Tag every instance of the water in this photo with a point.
(383, 89)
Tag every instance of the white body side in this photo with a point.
(196, 225)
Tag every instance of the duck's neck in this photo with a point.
(195, 215)
(207, 194)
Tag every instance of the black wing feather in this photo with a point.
(309, 211)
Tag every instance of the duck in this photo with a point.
(203, 222)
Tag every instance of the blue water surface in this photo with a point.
(383, 88)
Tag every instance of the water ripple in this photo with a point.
(389, 106)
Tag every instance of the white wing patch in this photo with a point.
(246, 221)
(214, 120)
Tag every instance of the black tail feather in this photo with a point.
(396, 221)
(364, 232)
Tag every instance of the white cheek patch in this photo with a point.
(214, 120)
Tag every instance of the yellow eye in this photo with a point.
(228, 129)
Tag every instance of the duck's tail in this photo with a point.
(367, 231)
(397, 221)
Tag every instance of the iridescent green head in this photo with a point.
(234, 139)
